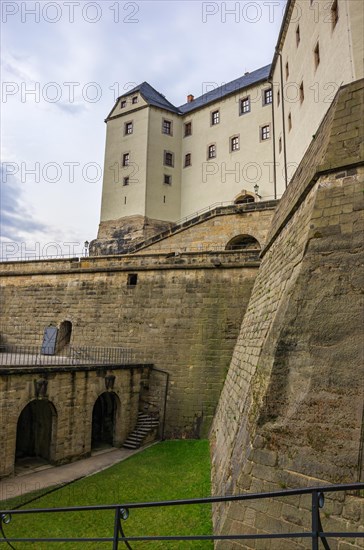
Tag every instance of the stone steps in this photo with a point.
(145, 425)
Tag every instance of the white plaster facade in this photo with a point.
(320, 48)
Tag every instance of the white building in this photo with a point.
(239, 142)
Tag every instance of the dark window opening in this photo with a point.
(244, 199)
(132, 279)
(187, 159)
(243, 242)
(211, 151)
(168, 158)
(245, 105)
(167, 127)
(268, 96)
(188, 129)
(215, 117)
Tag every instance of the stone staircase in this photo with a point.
(145, 430)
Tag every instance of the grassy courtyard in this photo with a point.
(167, 471)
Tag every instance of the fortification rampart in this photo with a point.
(181, 313)
(291, 411)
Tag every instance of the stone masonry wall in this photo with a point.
(291, 411)
(216, 232)
(72, 393)
(183, 316)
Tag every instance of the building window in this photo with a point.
(132, 279)
(302, 92)
(265, 132)
(128, 128)
(122, 104)
(167, 127)
(188, 129)
(334, 13)
(267, 96)
(126, 159)
(234, 143)
(187, 160)
(215, 117)
(126, 180)
(211, 151)
(287, 70)
(280, 145)
(290, 122)
(317, 55)
(168, 158)
(298, 35)
(134, 100)
(245, 105)
(278, 98)
(167, 179)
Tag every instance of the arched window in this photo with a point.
(243, 242)
(244, 199)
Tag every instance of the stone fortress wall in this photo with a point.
(291, 411)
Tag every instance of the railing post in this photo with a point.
(315, 521)
(115, 544)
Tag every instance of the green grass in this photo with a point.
(168, 471)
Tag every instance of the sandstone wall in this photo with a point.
(216, 232)
(183, 316)
(291, 411)
(72, 393)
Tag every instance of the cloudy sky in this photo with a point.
(65, 62)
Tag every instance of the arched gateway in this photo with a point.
(104, 420)
(35, 430)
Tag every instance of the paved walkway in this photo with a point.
(56, 475)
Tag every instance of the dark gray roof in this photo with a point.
(228, 88)
(152, 97)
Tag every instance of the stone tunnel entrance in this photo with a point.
(103, 421)
(34, 431)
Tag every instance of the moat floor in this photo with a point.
(32, 476)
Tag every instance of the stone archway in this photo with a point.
(35, 431)
(64, 335)
(243, 242)
(104, 420)
(244, 198)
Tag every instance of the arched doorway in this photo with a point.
(244, 199)
(64, 335)
(34, 431)
(103, 421)
(243, 242)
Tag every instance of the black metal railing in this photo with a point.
(73, 355)
(122, 511)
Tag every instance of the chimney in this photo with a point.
(190, 98)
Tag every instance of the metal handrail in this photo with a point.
(11, 355)
(122, 511)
